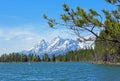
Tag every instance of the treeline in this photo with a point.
(72, 56)
(78, 55)
(16, 57)
(107, 51)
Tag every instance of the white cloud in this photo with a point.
(21, 32)
(29, 38)
(26, 36)
(10, 16)
(1, 33)
(32, 35)
(9, 35)
(65, 33)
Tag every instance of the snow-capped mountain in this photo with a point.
(57, 46)
(61, 46)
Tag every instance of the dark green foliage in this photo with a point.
(16, 57)
(107, 44)
(72, 56)
(33, 58)
(64, 17)
(78, 55)
(53, 58)
(107, 51)
(45, 16)
(65, 7)
(46, 58)
(113, 1)
(80, 20)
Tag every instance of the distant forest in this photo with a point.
(72, 56)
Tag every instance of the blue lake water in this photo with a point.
(61, 71)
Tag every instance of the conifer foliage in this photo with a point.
(107, 43)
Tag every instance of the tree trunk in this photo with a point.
(106, 54)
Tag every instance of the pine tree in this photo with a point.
(80, 20)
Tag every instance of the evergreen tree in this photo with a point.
(80, 20)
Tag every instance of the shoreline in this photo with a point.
(106, 63)
(92, 62)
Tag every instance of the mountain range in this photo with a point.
(57, 46)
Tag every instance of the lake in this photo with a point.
(61, 71)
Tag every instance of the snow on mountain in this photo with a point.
(61, 46)
(57, 46)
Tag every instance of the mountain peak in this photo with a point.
(57, 46)
(57, 38)
(42, 41)
(41, 45)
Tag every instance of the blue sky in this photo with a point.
(22, 24)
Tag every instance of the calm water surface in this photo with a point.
(62, 71)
